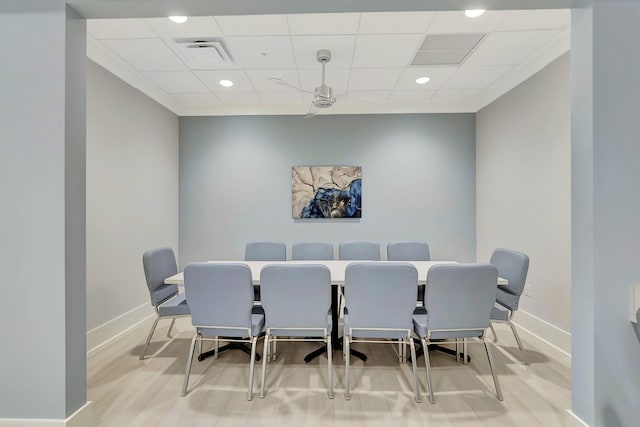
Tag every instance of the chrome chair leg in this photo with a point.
(493, 372)
(347, 391)
(254, 343)
(493, 331)
(189, 362)
(415, 370)
(515, 334)
(216, 345)
(173, 321)
(465, 352)
(330, 366)
(264, 364)
(427, 364)
(146, 344)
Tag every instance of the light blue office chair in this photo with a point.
(221, 298)
(265, 251)
(312, 251)
(513, 266)
(380, 299)
(158, 265)
(458, 299)
(297, 303)
(408, 251)
(359, 251)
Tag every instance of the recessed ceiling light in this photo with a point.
(178, 19)
(422, 80)
(226, 83)
(473, 13)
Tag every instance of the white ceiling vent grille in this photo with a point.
(446, 49)
(202, 53)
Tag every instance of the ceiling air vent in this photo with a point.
(202, 53)
(446, 49)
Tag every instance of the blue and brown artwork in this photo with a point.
(326, 191)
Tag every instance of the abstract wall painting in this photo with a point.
(326, 191)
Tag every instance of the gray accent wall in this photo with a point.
(418, 181)
(132, 192)
(524, 186)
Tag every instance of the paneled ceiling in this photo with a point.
(370, 70)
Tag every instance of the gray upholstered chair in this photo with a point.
(380, 299)
(265, 251)
(458, 299)
(513, 266)
(311, 251)
(297, 303)
(221, 300)
(158, 265)
(359, 251)
(408, 251)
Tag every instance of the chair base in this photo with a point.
(335, 346)
(231, 346)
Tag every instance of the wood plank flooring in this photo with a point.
(128, 392)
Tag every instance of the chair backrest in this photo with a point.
(295, 296)
(159, 264)
(380, 295)
(312, 251)
(265, 251)
(513, 266)
(219, 294)
(408, 251)
(460, 296)
(359, 251)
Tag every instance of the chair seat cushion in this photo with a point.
(257, 324)
(359, 333)
(420, 328)
(500, 312)
(176, 306)
(314, 332)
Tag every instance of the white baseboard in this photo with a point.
(83, 417)
(545, 331)
(113, 328)
(572, 420)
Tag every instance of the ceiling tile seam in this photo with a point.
(532, 30)
(407, 66)
(507, 15)
(353, 54)
(205, 85)
(293, 55)
(433, 18)
(474, 48)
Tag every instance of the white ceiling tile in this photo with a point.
(323, 23)
(306, 47)
(238, 98)
(456, 22)
(146, 54)
(542, 19)
(260, 80)
(363, 79)
(253, 25)
(268, 52)
(177, 81)
(196, 26)
(281, 97)
(394, 50)
(119, 29)
(411, 96)
(368, 96)
(394, 22)
(476, 77)
(196, 99)
(335, 78)
(509, 48)
(456, 94)
(212, 79)
(437, 75)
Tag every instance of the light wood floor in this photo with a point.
(128, 392)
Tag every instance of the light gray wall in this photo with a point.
(524, 186)
(418, 181)
(132, 191)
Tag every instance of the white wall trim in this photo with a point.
(572, 420)
(112, 329)
(545, 331)
(83, 417)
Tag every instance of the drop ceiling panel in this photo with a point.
(255, 25)
(437, 75)
(261, 52)
(456, 94)
(377, 51)
(475, 77)
(291, 97)
(509, 48)
(395, 22)
(325, 23)
(146, 54)
(368, 96)
(341, 47)
(363, 79)
(212, 79)
(522, 20)
(456, 22)
(239, 98)
(177, 81)
(260, 80)
(411, 96)
(119, 29)
(196, 26)
(335, 78)
(197, 99)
